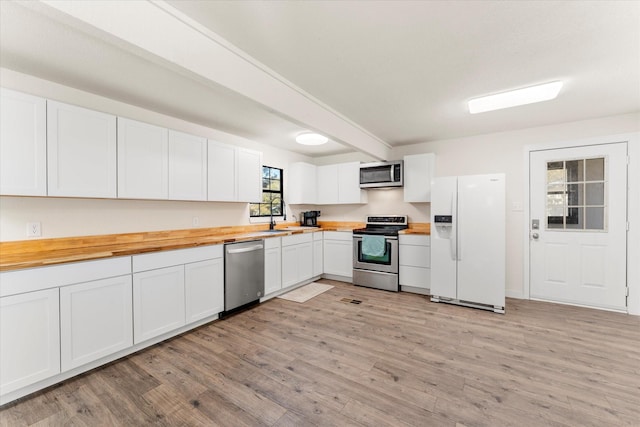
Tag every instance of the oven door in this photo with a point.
(387, 263)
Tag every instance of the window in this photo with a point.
(576, 194)
(272, 191)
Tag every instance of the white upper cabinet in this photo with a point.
(222, 172)
(301, 184)
(418, 171)
(349, 184)
(81, 152)
(327, 184)
(249, 176)
(187, 166)
(143, 160)
(23, 144)
(235, 174)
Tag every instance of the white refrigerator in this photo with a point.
(468, 241)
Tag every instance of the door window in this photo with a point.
(576, 191)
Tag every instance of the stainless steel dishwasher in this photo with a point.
(243, 273)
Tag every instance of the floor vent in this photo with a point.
(351, 301)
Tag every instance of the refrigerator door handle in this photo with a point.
(458, 230)
(452, 236)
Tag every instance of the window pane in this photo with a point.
(555, 221)
(274, 185)
(266, 198)
(555, 172)
(254, 209)
(265, 183)
(575, 218)
(595, 218)
(594, 170)
(265, 171)
(595, 193)
(265, 209)
(575, 170)
(575, 194)
(275, 173)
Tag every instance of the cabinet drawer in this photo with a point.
(415, 276)
(181, 256)
(415, 256)
(34, 279)
(296, 239)
(414, 239)
(338, 235)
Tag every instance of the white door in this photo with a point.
(187, 166)
(204, 288)
(578, 197)
(249, 176)
(221, 174)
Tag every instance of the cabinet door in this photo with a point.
(187, 166)
(289, 266)
(222, 166)
(418, 172)
(318, 267)
(158, 302)
(305, 261)
(349, 184)
(249, 176)
(29, 339)
(23, 144)
(327, 184)
(81, 152)
(301, 184)
(204, 289)
(338, 257)
(143, 160)
(272, 270)
(95, 320)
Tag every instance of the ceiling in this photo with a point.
(400, 70)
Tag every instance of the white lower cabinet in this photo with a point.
(204, 288)
(95, 320)
(29, 339)
(272, 265)
(338, 253)
(297, 259)
(415, 261)
(158, 302)
(318, 263)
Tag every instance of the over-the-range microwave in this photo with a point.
(381, 174)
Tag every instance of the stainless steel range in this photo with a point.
(375, 252)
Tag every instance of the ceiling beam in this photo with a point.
(158, 29)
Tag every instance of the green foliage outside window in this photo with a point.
(272, 191)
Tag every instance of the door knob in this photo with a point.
(535, 236)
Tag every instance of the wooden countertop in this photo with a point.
(38, 253)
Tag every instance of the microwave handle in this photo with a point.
(391, 169)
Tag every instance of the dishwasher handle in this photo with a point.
(247, 249)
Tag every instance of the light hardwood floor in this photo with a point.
(395, 359)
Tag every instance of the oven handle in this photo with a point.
(359, 236)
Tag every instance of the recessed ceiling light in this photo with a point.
(513, 98)
(311, 139)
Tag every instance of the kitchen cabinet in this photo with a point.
(297, 259)
(23, 144)
(318, 250)
(419, 169)
(158, 302)
(234, 174)
(338, 254)
(95, 320)
(187, 166)
(349, 191)
(143, 160)
(414, 253)
(204, 289)
(29, 339)
(81, 152)
(174, 288)
(327, 184)
(301, 184)
(272, 265)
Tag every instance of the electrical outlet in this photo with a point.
(34, 229)
(195, 221)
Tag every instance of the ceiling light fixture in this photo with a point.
(514, 98)
(311, 139)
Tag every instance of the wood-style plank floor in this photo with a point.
(395, 359)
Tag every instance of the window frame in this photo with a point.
(273, 207)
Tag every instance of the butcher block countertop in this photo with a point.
(16, 255)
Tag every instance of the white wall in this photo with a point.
(504, 152)
(63, 217)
